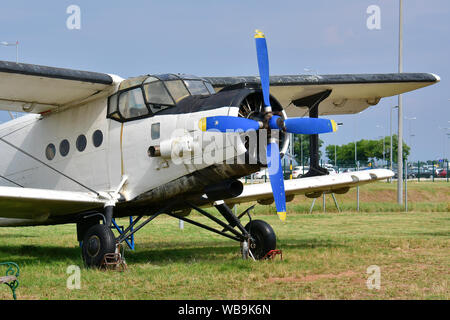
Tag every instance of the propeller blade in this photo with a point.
(227, 124)
(303, 125)
(309, 125)
(263, 66)
(276, 178)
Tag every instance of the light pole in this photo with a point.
(400, 110)
(445, 146)
(446, 157)
(335, 156)
(382, 137)
(390, 133)
(12, 44)
(335, 147)
(356, 148)
(301, 154)
(409, 130)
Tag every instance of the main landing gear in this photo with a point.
(98, 241)
(257, 238)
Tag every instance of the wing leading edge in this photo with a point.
(36, 89)
(27, 206)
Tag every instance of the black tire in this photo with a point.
(98, 241)
(264, 236)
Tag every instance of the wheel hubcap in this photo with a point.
(93, 246)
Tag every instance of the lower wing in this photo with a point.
(27, 206)
(312, 186)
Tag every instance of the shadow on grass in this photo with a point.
(309, 243)
(17, 235)
(206, 252)
(434, 234)
(30, 254)
(166, 256)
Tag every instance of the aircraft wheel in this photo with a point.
(98, 241)
(264, 238)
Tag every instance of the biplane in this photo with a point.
(93, 147)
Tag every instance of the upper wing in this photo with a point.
(313, 186)
(350, 93)
(33, 88)
(26, 206)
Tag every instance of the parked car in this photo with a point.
(411, 175)
(423, 173)
(261, 174)
(442, 173)
(298, 171)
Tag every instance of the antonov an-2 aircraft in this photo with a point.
(94, 147)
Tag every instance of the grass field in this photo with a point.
(325, 255)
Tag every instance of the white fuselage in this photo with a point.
(123, 151)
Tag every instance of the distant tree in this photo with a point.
(303, 148)
(367, 150)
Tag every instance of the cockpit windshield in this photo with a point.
(132, 104)
(177, 89)
(155, 93)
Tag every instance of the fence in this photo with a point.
(433, 171)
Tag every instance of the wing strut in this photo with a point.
(48, 166)
(313, 102)
(10, 181)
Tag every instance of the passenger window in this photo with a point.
(132, 104)
(50, 151)
(97, 138)
(81, 142)
(177, 89)
(64, 147)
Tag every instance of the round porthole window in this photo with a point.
(50, 151)
(64, 147)
(81, 142)
(97, 138)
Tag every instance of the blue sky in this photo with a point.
(214, 38)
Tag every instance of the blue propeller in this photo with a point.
(263, 66)
(291, 125)
(275, 170)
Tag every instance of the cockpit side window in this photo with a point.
(210, 88)
(177, 89)
(196, 87)
(113, 111)
(132, 104)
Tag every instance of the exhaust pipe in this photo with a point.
(224, 190)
